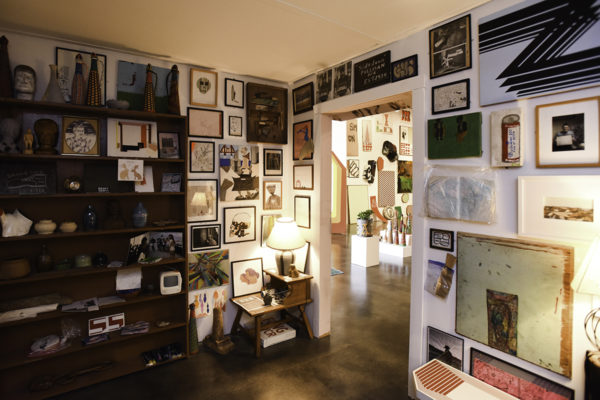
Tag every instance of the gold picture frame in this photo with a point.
(80, 136)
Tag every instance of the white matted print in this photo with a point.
(234, 93)
(130, 138)
(147, 184)
(130, 170)
(239, 224)
(203, 87)
(235, 125)
(505, 130)
(202, 200)
(247, 276)
(205, 123)
(303, 177)
(302, 211)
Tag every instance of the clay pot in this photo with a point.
(68, 227)
(14, 268)
(45, 227)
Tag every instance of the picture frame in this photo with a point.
(267, 224)
(450, 47)
(266, 113)
(441, 239)
(130, 170)
(65, 62)
(302, 211)
(514, 380)
(303, 177)
(147, 184)
(568, 134)
(203, 87)
(559, 207)
(303, 98)
(324, 85)
(202, 200)
(273, 195)
(208, 269)
(131, 78)
(445, 347)
(342, 79)
(205, 123)
(303, 140)
(453, 96)
(131, 138)
(239, 224)
(405, 68)
(247, 276)
(273, 162)
(235, 125)
(171, 182)
(80, 136)
(372, 72)
(353, 167)
(205, 237)
(457, 136)
(234, 93)
(239, 172)
(201, 156)
(168, 145)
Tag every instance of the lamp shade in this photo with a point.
(587, 279)
(285, 235)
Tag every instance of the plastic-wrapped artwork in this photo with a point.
(14, 224)
(460, 193)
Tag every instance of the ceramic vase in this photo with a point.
(94, 94)
(90, 218)
(53, 92)
(364, 227)
(140, 216)
(149, 90)
(45, 227)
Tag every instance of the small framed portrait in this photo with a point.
(205, 237)
(303, 98)
(202, 156)
(235, 126)
(80, 136)
(273, 162)
(202, 200)
(441, 240)
(302, 211)
(203, 87)
(239, 224)
(234, 93)
(272, 195)
(168, 145)
(450, 47)
(205, 123)
(247, 276)
(450, 97)
(405, 68)
(303, 177)
(303, 140)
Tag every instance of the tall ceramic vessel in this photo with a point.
(77, 86)
(94, 94)
(149, 90)
(53, 92)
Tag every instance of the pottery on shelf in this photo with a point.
(53, 92)
(14, 268)
(173, 91)
(47, 135)
(77, 85)
(140, 216)
(68, 227)
(93, 93)
(45, 227)
(83, 260)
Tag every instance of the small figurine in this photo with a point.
(28, 142)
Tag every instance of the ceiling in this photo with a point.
(283, 40)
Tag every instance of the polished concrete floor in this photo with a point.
(365, 357)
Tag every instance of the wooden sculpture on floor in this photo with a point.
(218, 342)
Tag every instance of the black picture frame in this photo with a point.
(195, 115)
(266, 114)
(231, 85)
(303, 98)
(203, 166)
(192, 212)
(171, 182)
(241, 267)
(229, 217)
(452, 96)
(199, 244)
(441, 239)
(405, 68)
(168, 145)
(450, 47)
(372, 72)
(445, 347)
(241, 125)
(272, 162)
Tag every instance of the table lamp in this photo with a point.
(285, 237)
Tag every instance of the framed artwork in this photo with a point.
(131, 138)
(203, 87)
(267, 222)
(342, 79)
(239, 224)
(454, 137)
(168, 145)
(273, 159)
(209, 269)
(303, 140)
(303, 177)
(205, 237)
(303, 98)
(441, 239)
(450, 97)
(66, 63)
(235, 126)
(131, 83)
(234, 93)
(272, 195)
(146, 185)
(372, 72)
(405, 176)
(247, 276)
(445, 347)
(405, 68)
(568, 134)
(130, 170)
(353, 167)
(266, 113)
(238, 172)
(505, 132)
(497, 305)
(202, 156)
(202, 200)
(171, 182)
(450, 47)
(302, 211)
(515, 381)
(559, 206)
(205, 123)
(352, 138)
(80, 136)
(405, 140)
(324, 85)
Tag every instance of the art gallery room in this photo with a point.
(257, 199)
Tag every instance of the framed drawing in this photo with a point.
(497, 305)
(80, 136)
(131, 138)
(202, 156)
(372, 72)
(208, 269)
(273, 159)
(450, 47)
(272, 195)
(445, 347)
(130, 170)
(131, 85)
(205, 123)
(405, 68)
(303, 177)
(303, 98)
(559, 206)
(266, 113)
(302, 211)
(303, 140)
(235, 126)
(453, 96)
(66, 63)
(238, 172)
(514, 380)
(568, 134)
(267, 222)
(441, 240)
(239, 224)
(203, 87)
(506, 143)
(247, 276)
(202, 200)
(234, 93)
(146, 185)
(324, 85)
(205, 237)
(454, 137)
(168, 145)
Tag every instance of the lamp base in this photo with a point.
(592, 375)
(284, 260)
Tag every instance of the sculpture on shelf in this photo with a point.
(53, 92)
(24, 82)
(150, 90)
(15, 224)
(173, 91)
(94, 94)
(77, 86)
(47, 135)
(10, 129)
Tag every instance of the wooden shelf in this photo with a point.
(56, 157)
(87, 195)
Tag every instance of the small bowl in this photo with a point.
(14, 268)
(45, 227)
(68, 227)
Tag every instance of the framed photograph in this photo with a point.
(66, 63)
(209, 269)
(450, 47)
(302, 211)
(505, 131)
(303, 140)
(559, 206)
(324, 85)
(514, 380)
(131, 138)
(235, 126)
(202, 200)
(272, 195)
(454, 137)
(441, 240)
(130, 170)
(273, 159)
(168, 145)
(445, 347)
(568, 134)
(267, 224)
(266, 113)
(342, 79)
(202, 156)
(303, 177)
(205, 237)
(203, 87)
(239, 172)
(234, 93)
(171, 182)
(239, 224)
(450, 97)
(205, 123)
(247, 276)
(405, 68)
(80, 136)
(303, 98)
(372, 72)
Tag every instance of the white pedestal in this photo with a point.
(397, 252)
(365, 251)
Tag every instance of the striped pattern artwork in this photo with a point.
(438, 378)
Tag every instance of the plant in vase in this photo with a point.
(364, 223)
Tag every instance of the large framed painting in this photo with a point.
(266, 113)
(247, 276)
(454, 137)
(238, 172)
(450, 47)
(445, 347)
(208, 269)
(239, 224)
(131, 138)
(513, 294)
(131, 85)
(67, 63)
(203, 87)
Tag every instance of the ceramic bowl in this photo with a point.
(45, 227)
(68, 226)
(14, 268)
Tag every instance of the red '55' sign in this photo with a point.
(104, 324)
